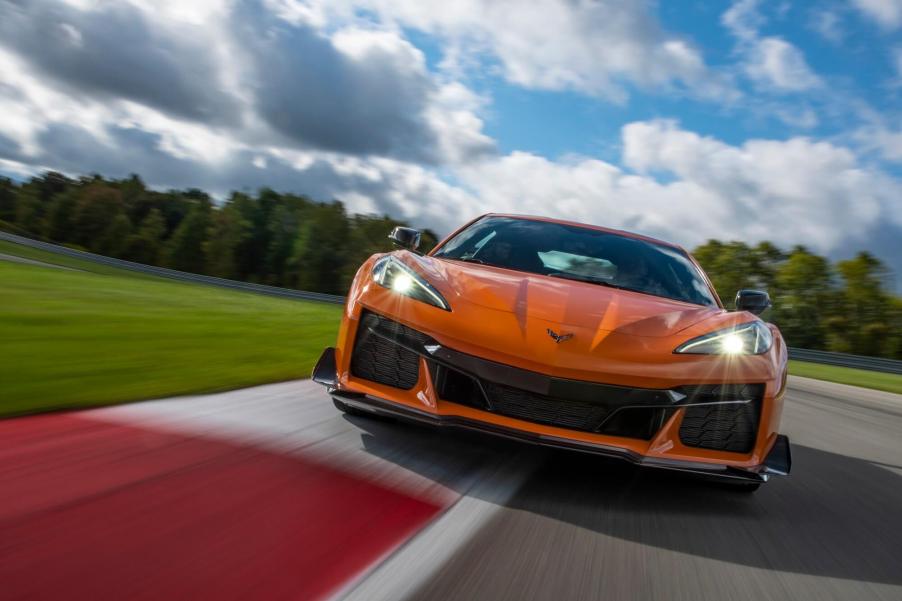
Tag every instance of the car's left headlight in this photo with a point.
(751, 338)
(391, 273)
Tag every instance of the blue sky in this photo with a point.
(859, 66)
(687, 120)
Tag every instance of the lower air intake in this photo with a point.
(379, 354)
(729, 427)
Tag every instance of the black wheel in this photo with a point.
(345, 408)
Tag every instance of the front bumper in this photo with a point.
(778, 460)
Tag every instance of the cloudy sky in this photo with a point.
(688, 120)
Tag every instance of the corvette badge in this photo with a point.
(559, 338)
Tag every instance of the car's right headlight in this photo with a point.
(391, 273)
(751, 338)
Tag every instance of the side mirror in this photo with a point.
(405, 237)
(753, 301)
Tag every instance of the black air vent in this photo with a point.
(379, 353)
(730, 427)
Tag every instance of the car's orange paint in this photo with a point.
(620, 337)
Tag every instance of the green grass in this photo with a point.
(36, 254)
(846, 375)
(86, 338)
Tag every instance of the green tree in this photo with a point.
(97, 206)
(185, 250)
(283, 230)
(249, 255)
(894, 340)
(29, 213)
(145, 244)
(114, 241)
(368, 235)
(137, 199)
(8, 194)
(428, 240)
(320, 252)
(59, 224)
(864, 304)
(51, 184)
(803, 293)
(767, 260)
(730, 265)
(228, 231)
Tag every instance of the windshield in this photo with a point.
(580, 253)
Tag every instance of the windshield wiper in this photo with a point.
(587, 279)
(471, 260)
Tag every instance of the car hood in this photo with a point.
(566, 303)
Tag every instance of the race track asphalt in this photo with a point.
(515, 522)
(581, 529)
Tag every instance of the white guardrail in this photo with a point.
(825, 357)
(892, 366)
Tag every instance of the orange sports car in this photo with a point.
(566, 335)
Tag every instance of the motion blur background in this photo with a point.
(277, 142)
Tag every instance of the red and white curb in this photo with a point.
(265, 492)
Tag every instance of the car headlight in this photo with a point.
(395, 275)
(751, 338)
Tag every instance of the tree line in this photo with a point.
(844, 306)
(270, 238)
(293, 241)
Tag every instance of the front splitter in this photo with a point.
(777, 462)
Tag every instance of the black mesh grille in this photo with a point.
(525, 405)
(731, 427)
(457, 387)
(380, 358)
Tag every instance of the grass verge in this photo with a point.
(846, 375)
(36, 254)
(104, 335)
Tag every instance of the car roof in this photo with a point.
(584, 225)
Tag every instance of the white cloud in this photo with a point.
(28, 105)
(770, 62)
(595, 47)
(801, 117)
(885, 141)
(827, 24)
(743, 19)
(244, 75)
(774, 62)
(674, 183)
(453, 115)
(714, 190)
(887, 13)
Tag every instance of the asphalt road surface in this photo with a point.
(498, 520)
(832, 530)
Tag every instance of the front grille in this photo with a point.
(586, 416)
(730, 427)
(379, 354)
(521, 404)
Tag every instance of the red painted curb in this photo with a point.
(95, 510)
